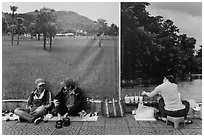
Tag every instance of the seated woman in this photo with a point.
(170, 103)
(70, 101)
(38, 103)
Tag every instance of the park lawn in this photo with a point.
(95, 69)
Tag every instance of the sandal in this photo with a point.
(188, 121)
(59, 124)
(162, 118)
(66, 121)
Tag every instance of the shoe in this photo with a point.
(161, 118)
(21, 119)
(59, 124)
(37, 121)
(66, 121)
(188, 121)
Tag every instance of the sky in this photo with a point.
(93, 10)
(187, 16)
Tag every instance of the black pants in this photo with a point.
(178, 113)
(73, 111)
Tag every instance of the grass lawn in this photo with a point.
(95, 69)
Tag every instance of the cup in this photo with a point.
(140, 99)
(127, 99)
(132, 99)
(136, 99)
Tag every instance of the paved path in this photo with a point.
(103, 126)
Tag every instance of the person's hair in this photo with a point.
(170, 78)
(72, 87)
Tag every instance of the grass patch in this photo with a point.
(95, 69)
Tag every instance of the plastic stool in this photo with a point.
(176, 121)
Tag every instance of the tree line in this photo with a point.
(43, 23)
(152, 47)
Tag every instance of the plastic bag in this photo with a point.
(144, 112)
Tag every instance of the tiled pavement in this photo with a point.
(103, 126)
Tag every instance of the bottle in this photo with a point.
(126, 98)
(136, 99)
(92, 109)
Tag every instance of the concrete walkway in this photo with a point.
(103, 126)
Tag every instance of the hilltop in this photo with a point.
(66, 20)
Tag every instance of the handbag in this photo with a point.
(112, 108)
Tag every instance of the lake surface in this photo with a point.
(191, 90)
(188, 90)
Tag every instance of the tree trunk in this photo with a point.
(50, 43)
(44, 47)
(38, 36)
(12, 35)
(12, 39)
(18, 40)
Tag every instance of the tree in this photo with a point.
(32, 29)
(113, 30)
(51, 32)
(19, 28)
(134, 38)
(102, 26)
(45, 17)
(4, 25)
(199, 52)
(13, 9)
(152, 47)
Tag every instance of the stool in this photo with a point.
(175, 120)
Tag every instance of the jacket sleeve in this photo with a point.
(154, 92)
(78, 94)
(59, 96)
(30, 100)
(79, 97)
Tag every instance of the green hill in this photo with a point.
(66, 20)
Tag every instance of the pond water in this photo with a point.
(191, 90)
(188, 90)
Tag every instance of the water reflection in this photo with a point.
(191, 90)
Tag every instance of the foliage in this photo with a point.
(46, 19)
(20, 29)
(13, 9)
(4, 25)
(152, 46)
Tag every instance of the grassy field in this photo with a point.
(95, 69)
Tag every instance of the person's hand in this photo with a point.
(32, 108)
(143, 93)
(56, 102)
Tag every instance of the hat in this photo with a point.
(68, 82)
(39, 82)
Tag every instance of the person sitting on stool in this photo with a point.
(170, 103)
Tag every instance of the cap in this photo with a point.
(39, 82)
(68, 82)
